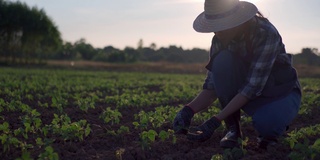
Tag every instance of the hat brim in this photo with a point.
(243, 14)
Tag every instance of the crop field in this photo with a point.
(78, 114)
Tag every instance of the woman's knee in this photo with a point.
(272, 119)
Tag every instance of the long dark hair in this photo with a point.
(260, 15)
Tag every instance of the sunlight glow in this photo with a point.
(252, 1)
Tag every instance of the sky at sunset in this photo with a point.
(122, 23)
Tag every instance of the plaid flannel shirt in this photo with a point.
(267, 47)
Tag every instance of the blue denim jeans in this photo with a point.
(270, 115)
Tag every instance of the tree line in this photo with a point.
(85, 51)
(309, 56)
(29, 36)
(26, 33)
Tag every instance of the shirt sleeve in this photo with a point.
(208, 83)
(264, 55)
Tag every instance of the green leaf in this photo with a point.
(39, 141)
(37, 122)
(49, 149)
(45, 131)
(163, 135)
(4, 127)
(3, 138)
(17, 131)
(152, 135)
(26, 155)
(14, 141)
(316, 145)
(87, 131)
(27, 125)
(135, 123)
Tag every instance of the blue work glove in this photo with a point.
(182, 120)
(204, 131)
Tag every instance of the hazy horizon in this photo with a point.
(169, 22)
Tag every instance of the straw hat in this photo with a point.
(220, 15)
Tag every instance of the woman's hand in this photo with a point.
(182, 120)
(204, 131)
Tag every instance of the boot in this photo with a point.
(265, 142)
(230, 140)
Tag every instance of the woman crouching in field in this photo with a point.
(249, 69)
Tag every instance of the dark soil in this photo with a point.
(100, 145)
